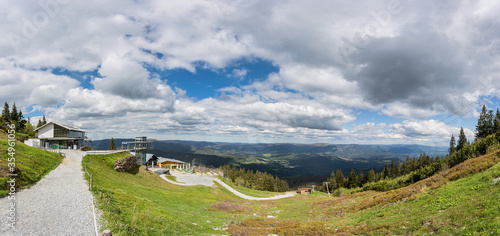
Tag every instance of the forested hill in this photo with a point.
(285, 160)
(346, 151)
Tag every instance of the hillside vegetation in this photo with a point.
(139, 202)
(31, 164)
(461, 200)
(466, 206)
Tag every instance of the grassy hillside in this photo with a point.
(31, 164)
(457, 201)
(139, 202)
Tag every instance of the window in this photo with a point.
(60, 132)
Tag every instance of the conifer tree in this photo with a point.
(482, 124)
(112, 144)
(386, 171)
(451, 150)
(361, 178)
(462, 140)
(490, 121)
(14, 115)
(398, 168)
(339, 177)
(393, 169)
(44, 121)
(39, 124)
(332, 181)
(22, 121)
(496, 122)
(5, 113)
(353, 179)
(370, 176)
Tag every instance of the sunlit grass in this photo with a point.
(139, 202)
(31, 164)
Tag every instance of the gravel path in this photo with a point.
(59, 204)
(185, 179)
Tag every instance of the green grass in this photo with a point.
(458, 201)
(248, 191)
(139, 202)
(468, 206)
(32, 164)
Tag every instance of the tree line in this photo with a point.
(394, 170)
(487, 139)
(255, 180)
(15, 116)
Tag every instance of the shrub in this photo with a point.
(86, 148)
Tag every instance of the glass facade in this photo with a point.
(60, 132)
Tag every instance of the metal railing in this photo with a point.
(104, 152)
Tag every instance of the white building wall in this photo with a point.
(32, 142)
(46, 132)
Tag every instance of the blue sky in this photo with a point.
(378, 72)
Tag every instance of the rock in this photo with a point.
(126, 164)
(107, 233)
(496, 181)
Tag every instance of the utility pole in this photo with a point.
(327, 188)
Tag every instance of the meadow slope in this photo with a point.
(460, 201)
(31, 164)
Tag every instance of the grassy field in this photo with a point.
(139, 202)
(458, 201)
(32, 164)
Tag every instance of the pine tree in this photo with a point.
(44, 121)
(451, 150)
(496, 122)
(393, 169)
(386, 171)
(332, 181)
(22, 122)
(370, 176)
(39, 124)
(5, 113)
(462, 140)
(490, 121)
(14, 115)
(361, 178)
(339, 177)
(398, 168)
(112, 144)
(482, 124)
(353, 179)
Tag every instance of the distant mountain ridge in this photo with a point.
(348, 151)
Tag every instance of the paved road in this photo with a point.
(185, 179)
(59, 204)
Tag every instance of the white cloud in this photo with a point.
(29, 87)
(423, 59)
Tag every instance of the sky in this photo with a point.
(363, 72)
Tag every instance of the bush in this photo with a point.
(86, 148)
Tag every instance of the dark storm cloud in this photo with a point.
(420, 67)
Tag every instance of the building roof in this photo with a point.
(69, 127)
(304, 189)
(60, 138)
(160, 159)
(163, 159)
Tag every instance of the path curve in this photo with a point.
(59, 204)
(193, 179)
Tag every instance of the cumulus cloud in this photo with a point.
(31, 87)
(414, 60)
